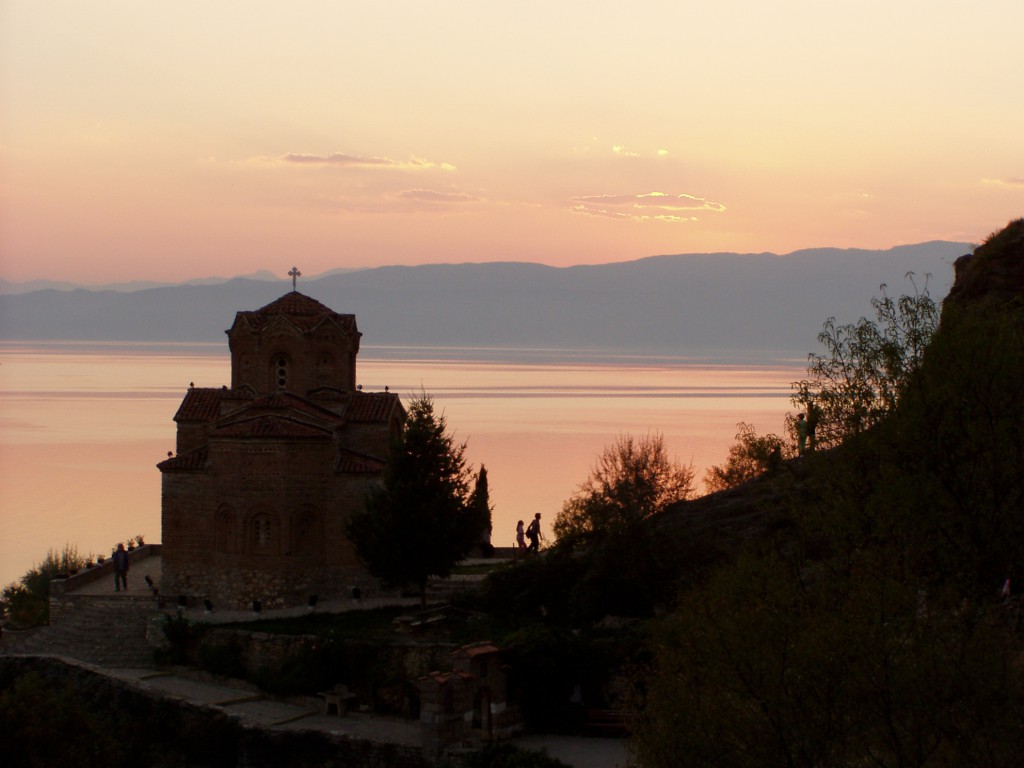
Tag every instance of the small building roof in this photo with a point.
(477, 649)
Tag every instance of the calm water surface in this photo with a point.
(82, 426)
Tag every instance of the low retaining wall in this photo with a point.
(104, 570)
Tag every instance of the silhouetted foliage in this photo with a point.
(419, 523)
(866, 366)
(632, 480)
(45, 723)
(751, 455)
(480, 509)
(26, 603)
(874, 630)
(774, 665)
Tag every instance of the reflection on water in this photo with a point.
(82, 426)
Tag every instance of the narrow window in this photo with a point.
(281, 371)
(261, 538)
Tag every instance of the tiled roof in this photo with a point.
(371, 407)
(302, 311)
(201, 404)
(188, 461)
(443, 678)
(352, 463)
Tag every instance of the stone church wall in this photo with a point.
(236, 544)
(259, 513)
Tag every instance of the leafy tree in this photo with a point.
(751, 455)
(26, 603)
(866, 366)
(632, 480)
(418, 523)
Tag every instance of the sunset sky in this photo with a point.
(168, 141)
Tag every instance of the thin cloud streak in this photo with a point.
(341, 159)
(1011, 182)
(432, 196)
(407, 201)
(652, 206)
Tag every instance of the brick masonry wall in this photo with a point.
(212, 549)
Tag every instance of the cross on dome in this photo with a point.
(294, 274)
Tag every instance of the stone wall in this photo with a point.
(230, 537)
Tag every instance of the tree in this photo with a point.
(26, 603)
(480, 509)
(751, 455)
(632, 480)
(418, 523)
(867, 365)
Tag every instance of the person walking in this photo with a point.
(533, 533)
(120, 559)
(520, 538)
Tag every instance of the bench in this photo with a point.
(338, 698)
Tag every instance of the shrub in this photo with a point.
(504, 755)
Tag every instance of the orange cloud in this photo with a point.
(652, 206)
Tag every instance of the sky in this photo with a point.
(169, 141)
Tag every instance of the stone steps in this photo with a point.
(446, 589)
(102, 631)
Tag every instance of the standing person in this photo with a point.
(801, 435)
(533, 533)
(813, 414)
(120, 559)
(520, 538)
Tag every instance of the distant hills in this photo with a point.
(682, 304)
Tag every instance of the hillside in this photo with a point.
(864, 604)
(988, 290)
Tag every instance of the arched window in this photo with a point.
(224, 529)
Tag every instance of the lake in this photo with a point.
(83, 425)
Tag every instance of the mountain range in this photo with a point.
(680, 304)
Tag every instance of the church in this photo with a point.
(267, 471)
